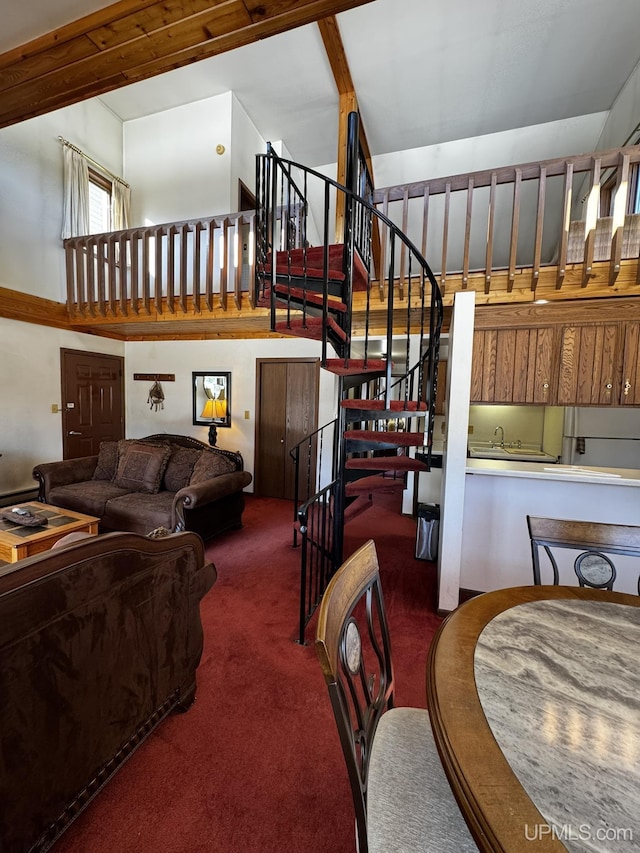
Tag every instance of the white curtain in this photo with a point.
(75, 213)
(120, 205)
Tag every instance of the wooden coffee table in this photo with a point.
(19, 541)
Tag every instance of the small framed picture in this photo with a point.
(211, 399)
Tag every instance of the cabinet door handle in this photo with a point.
(545, 385)
(74, 432)
(608, 386)
(627, 387)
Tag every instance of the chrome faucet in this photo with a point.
(495, 432)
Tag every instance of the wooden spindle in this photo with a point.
(537, 249)
(159, 233)
(566, 221)
(515, 226)
(445, 235)
(467, 235)
(620, 206)
(211, 236)
(490, 225)
(593, 209)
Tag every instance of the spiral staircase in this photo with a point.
(318, 288)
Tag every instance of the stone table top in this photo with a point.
(559, 684)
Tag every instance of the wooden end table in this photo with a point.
(19, 541)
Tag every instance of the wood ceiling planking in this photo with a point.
(130, 41)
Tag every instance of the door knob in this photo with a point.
(74, 432)
(282, 441)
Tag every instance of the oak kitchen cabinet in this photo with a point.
(590, 367)
(514, 365)
(630, 390)
(582, 354)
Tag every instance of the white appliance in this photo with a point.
(601, 438)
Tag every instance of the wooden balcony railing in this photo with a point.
(554, 213)
(486, 230)
(174, 268)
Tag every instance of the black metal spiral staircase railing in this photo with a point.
(387, 381)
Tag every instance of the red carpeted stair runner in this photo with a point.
(309, 263)
(255, 765)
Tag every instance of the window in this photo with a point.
(99, 203)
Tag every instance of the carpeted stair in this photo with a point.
(300, 279)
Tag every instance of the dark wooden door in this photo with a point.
(287, 411)
(92, 401)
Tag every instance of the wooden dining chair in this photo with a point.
(402, 799)
(596, 542)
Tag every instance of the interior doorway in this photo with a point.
(92, 401)
(286, 411)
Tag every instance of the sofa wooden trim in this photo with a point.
(99, 641)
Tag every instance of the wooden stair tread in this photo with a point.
(401, 438)
(357, 507)
(309, 263)
(385, 463)
(374, 483)
(379, 405)
(355, 366)
(310, 327)
(299, 295)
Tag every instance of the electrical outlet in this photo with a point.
(470, 430)
(54, 409)
(246, 414)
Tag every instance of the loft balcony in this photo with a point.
(561, 229)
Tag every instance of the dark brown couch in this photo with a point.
(99, 641)
(138, 485)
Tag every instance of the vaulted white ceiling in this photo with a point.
(425, 71)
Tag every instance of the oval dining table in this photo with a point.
(534, 697)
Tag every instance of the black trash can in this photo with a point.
(427, 531)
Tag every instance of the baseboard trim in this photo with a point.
(19, 497)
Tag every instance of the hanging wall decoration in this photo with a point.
(156, 397)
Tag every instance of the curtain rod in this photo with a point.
(92, 161)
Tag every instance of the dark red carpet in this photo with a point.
(255, 765)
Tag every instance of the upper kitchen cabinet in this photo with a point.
(514, 365)
(590, 366)
(630, 390)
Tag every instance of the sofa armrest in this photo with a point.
(211, 490)
(52, 474)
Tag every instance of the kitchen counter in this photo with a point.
(570, 473)
(496, 551)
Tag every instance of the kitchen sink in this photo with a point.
(515, 454)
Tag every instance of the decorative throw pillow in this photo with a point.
(107, 461)
(180, 467)
(211, 464)
(141, 466)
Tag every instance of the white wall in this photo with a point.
(29, 385)
(238, 357)
(521, 145)
(524, 423)
(246, 142)
(172, 164)
(624, 115)
(31, 181)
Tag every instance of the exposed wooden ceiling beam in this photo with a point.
(132, 40)
(336, 54)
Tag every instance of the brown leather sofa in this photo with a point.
(99, 641)
(162, 480)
